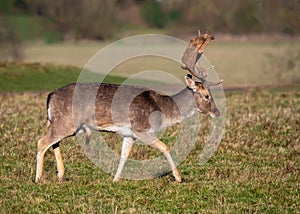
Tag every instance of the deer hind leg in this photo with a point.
(126, 149)
(43, 145)
(153, 141)
(59, 161)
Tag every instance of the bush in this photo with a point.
(153, 14)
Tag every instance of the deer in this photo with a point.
(149, 111)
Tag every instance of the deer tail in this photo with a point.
(49, 121)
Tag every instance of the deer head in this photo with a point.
(204, 100)
(201, 88)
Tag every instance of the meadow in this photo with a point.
(256, 168)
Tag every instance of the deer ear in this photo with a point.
(190, 82)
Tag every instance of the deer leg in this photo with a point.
(126, 149)
(152, 140)
(43, 144)
(59, 161)
(42, 148)
(39, 161)
(88, 134)
(166, 151)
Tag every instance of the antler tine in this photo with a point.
(194, 73)
(202, 70)
(209, 68)
(208, 83)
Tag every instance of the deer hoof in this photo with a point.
(178, 180)
(115, 180)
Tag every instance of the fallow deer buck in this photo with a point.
(141, 122)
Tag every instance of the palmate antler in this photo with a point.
(192, 54)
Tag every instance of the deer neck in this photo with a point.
(185, 102)
(177, 107)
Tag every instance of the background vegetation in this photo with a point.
(69, 20)
(98, 19)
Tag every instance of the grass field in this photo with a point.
(256, 167)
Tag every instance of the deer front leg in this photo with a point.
(126, 149)
(166, 151)
(153, 141)
(59, 161)
(88, 132)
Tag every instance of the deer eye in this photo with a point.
(206, 97)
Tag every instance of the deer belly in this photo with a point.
(122, 130)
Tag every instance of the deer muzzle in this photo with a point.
(215, 113)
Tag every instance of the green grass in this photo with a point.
(256, 167)
(37, 77)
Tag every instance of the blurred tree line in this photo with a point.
(102, 19)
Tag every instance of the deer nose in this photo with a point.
(215, 113)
